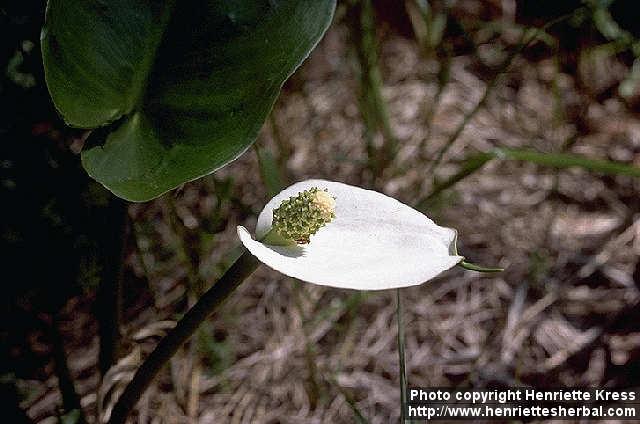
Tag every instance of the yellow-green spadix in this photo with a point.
(360, 239)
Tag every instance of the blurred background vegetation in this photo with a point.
(514, 121)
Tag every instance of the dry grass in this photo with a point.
(300, 353)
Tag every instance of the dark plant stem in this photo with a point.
(70, 399)
(109, 298)
(207, 304)
(12, 412)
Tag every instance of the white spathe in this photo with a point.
(374, 242)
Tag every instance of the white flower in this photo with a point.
(373, 242)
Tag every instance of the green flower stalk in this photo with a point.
(301, 216)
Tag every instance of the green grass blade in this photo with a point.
(269, 171)
(475, 162)
(469, 166)
(358, 416)
(568, 160)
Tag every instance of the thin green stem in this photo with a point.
(469, 167)
(373, 107)
(479, 268)
(401, 358)
(315, 388)
(207, 304)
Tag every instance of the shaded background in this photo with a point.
(387, 89)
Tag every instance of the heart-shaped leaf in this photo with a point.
(182, 87)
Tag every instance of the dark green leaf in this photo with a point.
(183, 88)
(97, 56)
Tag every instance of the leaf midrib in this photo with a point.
(142, 78)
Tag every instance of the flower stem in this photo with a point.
(242, 268)
(403, 372)
(273, 238)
